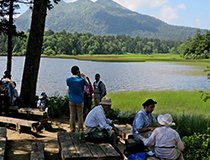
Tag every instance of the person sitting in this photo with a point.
(15, 96)
(96, 120)
(42, 105)
(144, 119)
(10, 86)
(166, 141)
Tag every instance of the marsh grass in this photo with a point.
(169, 101)
(190, 113)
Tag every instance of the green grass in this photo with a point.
(172, 102)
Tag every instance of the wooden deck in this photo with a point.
(71, 148)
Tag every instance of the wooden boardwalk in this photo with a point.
(71, 148)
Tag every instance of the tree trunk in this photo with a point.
(9, 47)
(33, 54)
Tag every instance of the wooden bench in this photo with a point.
(37, 151)
(3, 139)
(20, 122)
(30, 111)
(71, 148)
(127, 136)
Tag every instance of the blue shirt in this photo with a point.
(76, 93)
(142, 120)
(10, 89)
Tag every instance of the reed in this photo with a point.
(169, 101)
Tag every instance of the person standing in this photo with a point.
(99, 90)
(88, 91)
(76, 97)
(144, 119)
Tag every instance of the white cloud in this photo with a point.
(136, 4)
(167, 13)
(181, 6)
(198, 22)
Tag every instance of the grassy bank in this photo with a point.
(131, 58)
(173, 102)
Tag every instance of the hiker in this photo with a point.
(42, 105)
(99, 89)
(76, 97)
(144, 119)
(166, 141)
(15, 96)
(96, 120)
(10, 86)
(88, 91)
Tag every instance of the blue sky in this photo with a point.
(189, 13)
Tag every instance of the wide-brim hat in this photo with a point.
(165, 120)
(106, 101)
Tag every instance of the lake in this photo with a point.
(118, 76)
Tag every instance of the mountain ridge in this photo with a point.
(106, 17)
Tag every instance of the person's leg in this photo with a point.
(112, 137)
(80, 115)
(96, 101)
(72, 108)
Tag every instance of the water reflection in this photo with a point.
(117, 76)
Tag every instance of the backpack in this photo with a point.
(97, 136)
(3, 88)
(134, 148)
(100, 88)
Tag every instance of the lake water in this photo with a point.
(117, 76)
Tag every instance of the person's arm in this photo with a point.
(158, 124)
(9, 80)
(83, 76)
(146, 129)
(103, 121)
(102, 86)
(149, 142)
(180, 144)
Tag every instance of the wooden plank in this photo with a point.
(37, 151)
(109, 150)
(22, 122)
(3, 139)
(72, 148)
(124, 132)
(3, 131)
(81, 147)
(96, 150)
(66, 146)
(33, 111)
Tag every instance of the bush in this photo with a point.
(197, 146)
(60, 105)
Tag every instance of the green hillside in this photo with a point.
(105, 17)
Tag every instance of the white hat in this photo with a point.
(106, 101)
(165, 120)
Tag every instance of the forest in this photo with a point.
(64, 43)
(86, 43)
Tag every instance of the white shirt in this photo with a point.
(165, 137)
(96, 117)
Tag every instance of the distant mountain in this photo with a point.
(105, 17)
